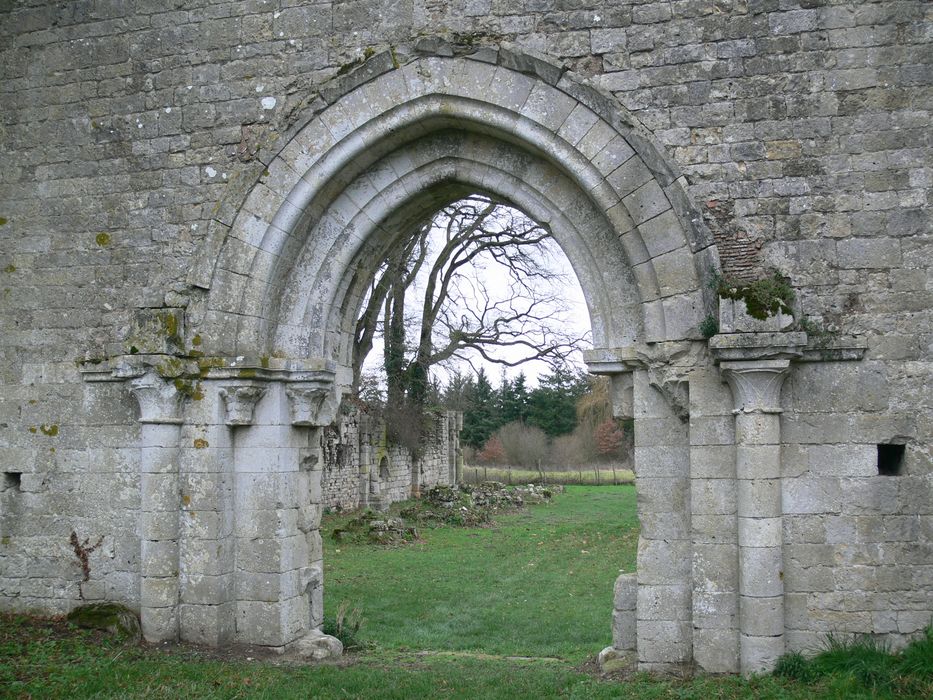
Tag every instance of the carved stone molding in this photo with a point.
(312, 403)
(756, 384)
(675, 391)
(240, 401)
(159, 400)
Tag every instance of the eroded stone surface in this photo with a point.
(184, 192)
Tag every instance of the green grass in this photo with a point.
(538, 583)
(866, 666)
(445, 618)
(591, 477)
(43, 660)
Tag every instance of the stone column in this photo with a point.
(662, 482)
(160, 419)
(271, 547)
(619, 366)
(311, 406)
(208, 606)
(756, 388)
(713, 523)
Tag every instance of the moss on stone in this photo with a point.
(102, 239)
(205, 364)
(763, 298)
(50, 430)
(109, 617)
(170, 325)
(191, 389)
(172, 367)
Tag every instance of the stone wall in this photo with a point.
(361, 470)
(793, 133)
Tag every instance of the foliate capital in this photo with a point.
(240, 402)
(312, 403)
(756, 384)
(159, 399)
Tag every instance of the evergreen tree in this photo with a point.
(553, 404)
(514, 399)
(457, 393)
(480, 417)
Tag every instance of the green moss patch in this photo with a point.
(763, 298)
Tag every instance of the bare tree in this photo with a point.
(434, 300)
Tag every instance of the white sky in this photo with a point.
(572, 319)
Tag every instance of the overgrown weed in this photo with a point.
(866, 663)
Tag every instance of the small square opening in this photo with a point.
(890, 459)
(12, 480)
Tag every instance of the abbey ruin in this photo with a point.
(195, 195)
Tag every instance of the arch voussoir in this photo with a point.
(584, 147)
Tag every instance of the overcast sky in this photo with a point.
(573, 318)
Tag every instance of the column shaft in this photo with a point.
(756, 386)
(160, 425)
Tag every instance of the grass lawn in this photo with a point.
(538, 583)
(446, 618)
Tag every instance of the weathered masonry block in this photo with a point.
(193, 204)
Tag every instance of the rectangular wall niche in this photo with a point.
(890, 459)
(12, 480)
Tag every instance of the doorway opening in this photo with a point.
(476, 313)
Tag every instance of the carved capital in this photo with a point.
(756, 384)
(240, 401)
(159, 399)
(312, 403)
(675, 390)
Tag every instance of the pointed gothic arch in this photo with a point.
(281, 278)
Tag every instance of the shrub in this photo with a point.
(524, 445)
(763, 298)
(492, 452)
(609, 438)
(709, 326)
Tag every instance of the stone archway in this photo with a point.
(282, 278)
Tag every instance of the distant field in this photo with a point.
(582, 476)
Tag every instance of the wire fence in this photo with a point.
(595, 475)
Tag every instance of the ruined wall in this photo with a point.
(361, 470)
(801, 127)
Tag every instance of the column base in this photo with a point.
(759, 654)
(612, 660)
(317, 646)
(159, 624)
